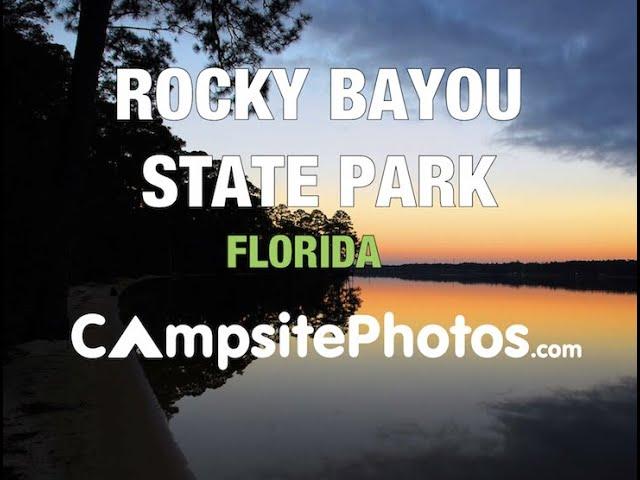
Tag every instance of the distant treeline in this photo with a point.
(610, 275)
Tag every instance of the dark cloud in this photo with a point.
(578, 59)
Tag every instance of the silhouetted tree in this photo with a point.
(32, 112)
(127, 32)
(313, 223)
(114, 233)
(113, 33)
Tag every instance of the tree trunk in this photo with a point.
(74, 170)
(87, 59)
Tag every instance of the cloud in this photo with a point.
(578, 60)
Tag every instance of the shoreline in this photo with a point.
(72, 418)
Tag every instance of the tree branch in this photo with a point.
(172, 29)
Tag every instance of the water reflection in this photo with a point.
(375, 418)
(583, 434)
(247, 300)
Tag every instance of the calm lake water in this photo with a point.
(374, 417)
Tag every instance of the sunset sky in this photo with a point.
(565, 174)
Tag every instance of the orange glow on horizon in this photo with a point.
(597, 320)
(518, 230)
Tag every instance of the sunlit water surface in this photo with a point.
(373, 417)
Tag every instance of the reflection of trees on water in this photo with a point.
(566, 435)
(246, 300)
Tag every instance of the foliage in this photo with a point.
(314, 223)
(27, 19)
(116, 235)
(233, 33)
